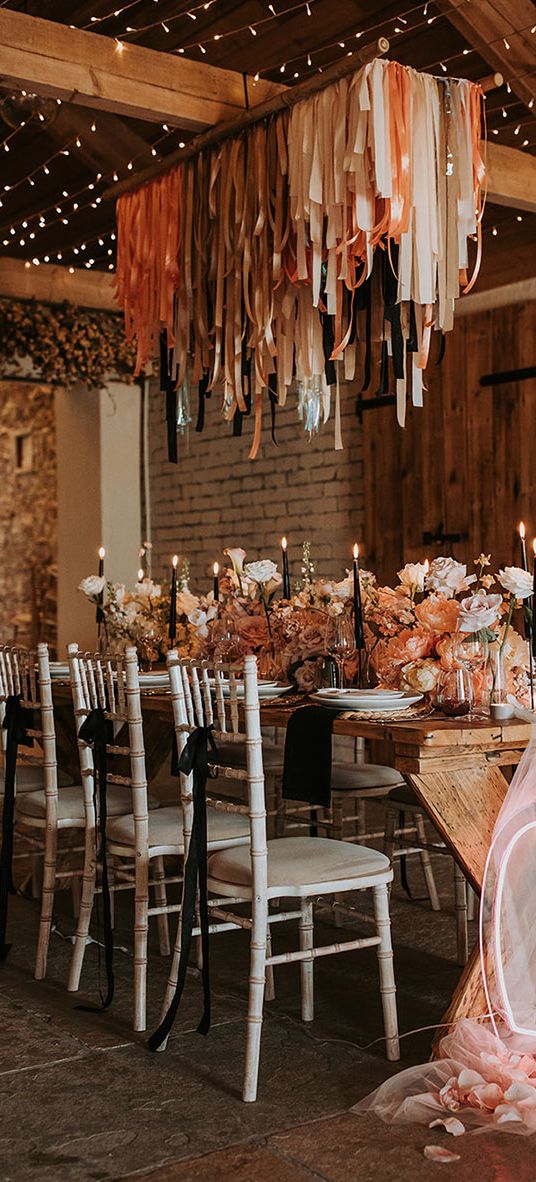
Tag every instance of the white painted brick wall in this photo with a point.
(216, 497)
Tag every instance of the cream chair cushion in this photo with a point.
(30, 777)
(234, 755)
(71, 803)
(165, 829)
(298, 861)
(361, 776)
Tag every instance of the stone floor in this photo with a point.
(83, 1099)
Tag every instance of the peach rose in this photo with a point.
(411, 644)
(305, 676)
(253, 631)
(438, 614)
(446, 651)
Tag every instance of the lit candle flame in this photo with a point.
(426, 566)
(356, 551)
(102, 552)
(283, 543)
(140, 575)
(216, 568)
(175, 560)
(522, 530)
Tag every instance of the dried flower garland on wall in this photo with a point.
(65, 344)
(257, 257)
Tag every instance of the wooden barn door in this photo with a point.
(464, 469)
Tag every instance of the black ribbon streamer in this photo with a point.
(203, 393)
(194, 758)
(18, 720)
(94, 730)
(168, 388)
(272, 394)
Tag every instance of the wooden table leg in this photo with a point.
(464, 805)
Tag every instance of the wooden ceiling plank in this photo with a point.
(51, 284)
(484, 25)
(88, 69)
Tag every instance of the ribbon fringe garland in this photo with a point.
(256, 257)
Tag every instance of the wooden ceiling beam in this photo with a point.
(50, 284)
(89, 70)
(487, 25)
(511, 177)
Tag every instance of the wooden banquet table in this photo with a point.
(453, 766)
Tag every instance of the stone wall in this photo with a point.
(216, 497)
(28, 513)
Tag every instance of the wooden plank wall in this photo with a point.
(468, 459)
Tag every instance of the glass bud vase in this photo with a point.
(498, 677)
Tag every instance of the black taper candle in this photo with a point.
(358, 613)
(522, 539)
(173, 601)
(286, 572)
(99, 614)
(216, 570)
(533, 629)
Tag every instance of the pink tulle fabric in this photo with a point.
(485, 1076)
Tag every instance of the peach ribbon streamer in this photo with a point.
(237, 252)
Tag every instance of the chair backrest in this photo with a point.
(226, 698)
(26, 672)
(112, 684)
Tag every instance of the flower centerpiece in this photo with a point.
(419, 628)
(140, 616)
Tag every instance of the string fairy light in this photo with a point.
(95, 199)
(204, 42)
(307, 55)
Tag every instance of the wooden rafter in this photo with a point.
(89, 70)
(500, 31)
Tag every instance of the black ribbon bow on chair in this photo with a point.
(18, 720)
(94, 730)
(194, 758)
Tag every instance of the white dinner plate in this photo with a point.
(59, 669)
(374, 692)
(154, 679)
(349, 702)
(265, 690)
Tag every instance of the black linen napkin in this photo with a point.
(307, 760)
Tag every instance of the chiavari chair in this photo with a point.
(140, 839)
(225, 699)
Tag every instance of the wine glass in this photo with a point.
(454, 695)
(226, 639)
(341, 642)
(471, 649)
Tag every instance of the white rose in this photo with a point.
(335, 608)
(421, 676)
(412, 576)
(517, 581)
(198, 618)
(343, 590)
(262, 571)
(120, 592)
(186, 602)
(479, 611)
(131, 611)
(92, 585)
(448, 577)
